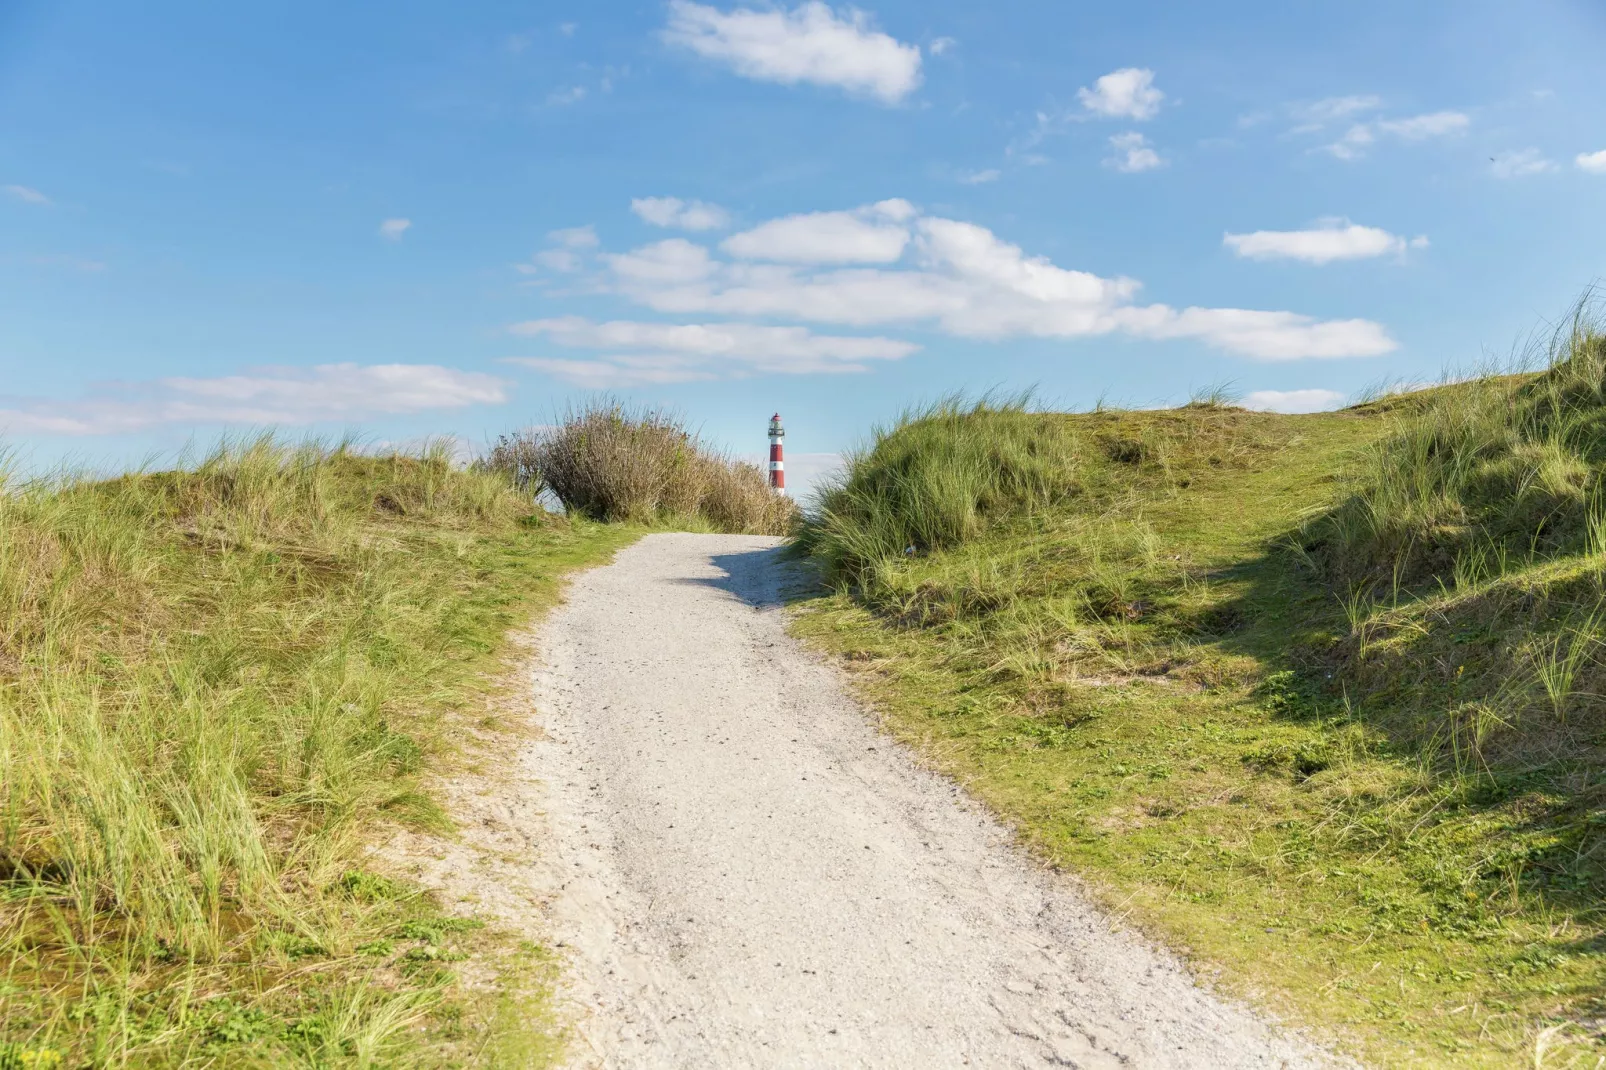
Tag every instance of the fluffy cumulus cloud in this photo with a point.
(1521, 163)
(271, 396)
(393, 229)
(872, 235)
(1593, 162)
(640, 353)
(1310, 400)
(1128, 93)
(889, 265)
(810, 43)
(1132, 153)
(1330, 240)
(684, 215)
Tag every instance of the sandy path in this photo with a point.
(745, 874)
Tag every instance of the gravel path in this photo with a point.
(746, 874)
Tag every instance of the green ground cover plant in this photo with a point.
(218, 687)
(1317, 699)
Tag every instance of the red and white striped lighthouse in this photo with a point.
(777, 465)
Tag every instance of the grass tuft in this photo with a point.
(217, 686)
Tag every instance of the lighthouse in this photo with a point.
(777, 465)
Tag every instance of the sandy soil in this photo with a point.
(743, 873)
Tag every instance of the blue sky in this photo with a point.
(417, 218)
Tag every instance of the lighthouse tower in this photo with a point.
(777, 465)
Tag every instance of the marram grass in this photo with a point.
(217, 686)
(1317, 699)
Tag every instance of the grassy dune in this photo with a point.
(217, 687)
(1321, 699)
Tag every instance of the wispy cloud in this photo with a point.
(1132, 153)
(1422, 127)
(977, 178)
(393, 229)
(1521, 163)
(328, 392)
(1316, 114)
(563, 96)
(26, 194)
(1329, 240)
(1416, 128)
(810, 43)
(942, 46)
(684, 352)
(674, 212)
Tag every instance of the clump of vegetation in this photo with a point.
(610, 462)
(1252, 677)
(1482, 476)
(938, 478)
(216, 684)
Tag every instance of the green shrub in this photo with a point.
(938, 478)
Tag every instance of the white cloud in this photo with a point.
(570, 244)
(1521, 163)
(1133, 153)
(575, 237)
(1354, 143)
(872, 235)
(738, 347)
(1332, 239)
(26, 194)
(1319, 113)
(942, 46)
(1128, 93)
(810, 43)
(618, 373)
(964, 280)
(271, 396)
(1422, 127)
(1361, 136)
(977, 178)
(393, 229)
(674, 212)
(563, 96)
(672, 261)
(1311, 400)
(1593, 162)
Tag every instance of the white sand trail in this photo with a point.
(744, 873)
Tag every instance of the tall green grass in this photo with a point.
(939, 477)
(215, 684)
(1492, 471)
(1319, 697)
